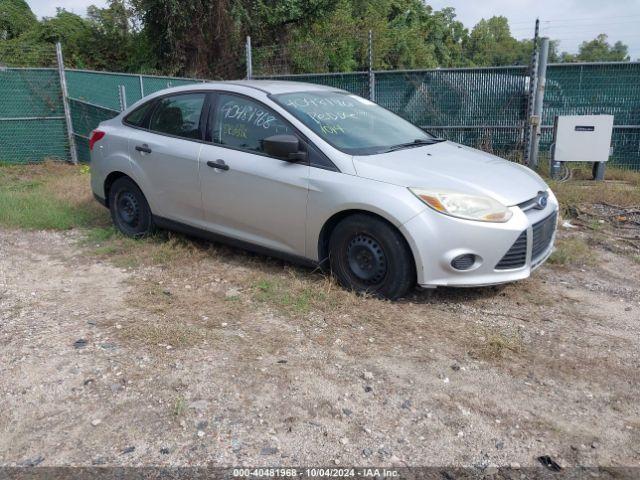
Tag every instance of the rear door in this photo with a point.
(166, 151)
(254, 197)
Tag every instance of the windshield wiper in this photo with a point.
(416, 143)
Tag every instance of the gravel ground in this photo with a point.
(192, 364)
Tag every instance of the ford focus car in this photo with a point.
(319, 175)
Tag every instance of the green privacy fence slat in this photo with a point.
(598, 88)
(462, 97)
(90, 90)
(30, 93)
(101, 88)
(32, 125)
(85, 117)
(29, 141)
(591, 89)
(464, 105)
(480, 107)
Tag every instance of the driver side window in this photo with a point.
(239, 122)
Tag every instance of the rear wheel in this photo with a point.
(130, 211)
(368, 255)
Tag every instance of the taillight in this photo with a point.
(96, 136)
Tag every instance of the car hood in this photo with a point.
(450, 166)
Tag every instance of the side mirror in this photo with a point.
(286, 147)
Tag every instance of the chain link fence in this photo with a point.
(592, 89)
(32, 122)
(481, 107)
(95, 97)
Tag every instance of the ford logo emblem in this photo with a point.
(541, 200)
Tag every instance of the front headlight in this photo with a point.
(462, 205)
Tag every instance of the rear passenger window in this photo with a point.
(243, 123)
(178, 115)
(139, 115)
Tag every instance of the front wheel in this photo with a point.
(368, 255)
(130, 211)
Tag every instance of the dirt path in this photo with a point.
(109, 366)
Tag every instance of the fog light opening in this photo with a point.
(463, 262)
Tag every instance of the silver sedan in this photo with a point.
(322, 176)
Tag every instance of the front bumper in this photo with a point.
(437, 239)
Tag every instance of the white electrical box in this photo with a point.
(582, 138)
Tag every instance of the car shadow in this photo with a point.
(238, 256)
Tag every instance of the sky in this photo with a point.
(570, 21)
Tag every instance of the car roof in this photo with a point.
(266, 86)
(281, 86)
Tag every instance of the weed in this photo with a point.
(179, 406)
(572, 251)
(175, 333)
(496, 345)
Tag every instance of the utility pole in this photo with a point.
(533, 69)
(537, 113)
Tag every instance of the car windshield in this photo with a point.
(353, 124)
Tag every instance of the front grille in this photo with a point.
(516, 257)
(542, 235)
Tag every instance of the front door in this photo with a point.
(247, 194)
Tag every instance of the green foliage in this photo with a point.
(16, 18)
(68, 28)
(599, 50)
(206, 39)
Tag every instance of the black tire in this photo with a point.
(130, 211)
(368, 255)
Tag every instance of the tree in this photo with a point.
(114, 25)
(491, 43)
(15, 18)
(70, 29)
(599, 50)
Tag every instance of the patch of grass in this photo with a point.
(300, 295)
(51, 195)
(596, 225)
(179, 406)
(572, 251)
(98, 234)
(175, 333)
(496, 345)
(299, 300)
(622, 188)
(275, 292)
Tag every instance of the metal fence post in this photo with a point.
(249, 59)
(122, 96)
(541, 83)
(372, 75)
(531, 95)
(141, 86)
(65, 105)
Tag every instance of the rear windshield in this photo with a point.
(351, 123)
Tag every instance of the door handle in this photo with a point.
(143, 148)
(219, 164)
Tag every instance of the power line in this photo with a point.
(595, 18)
